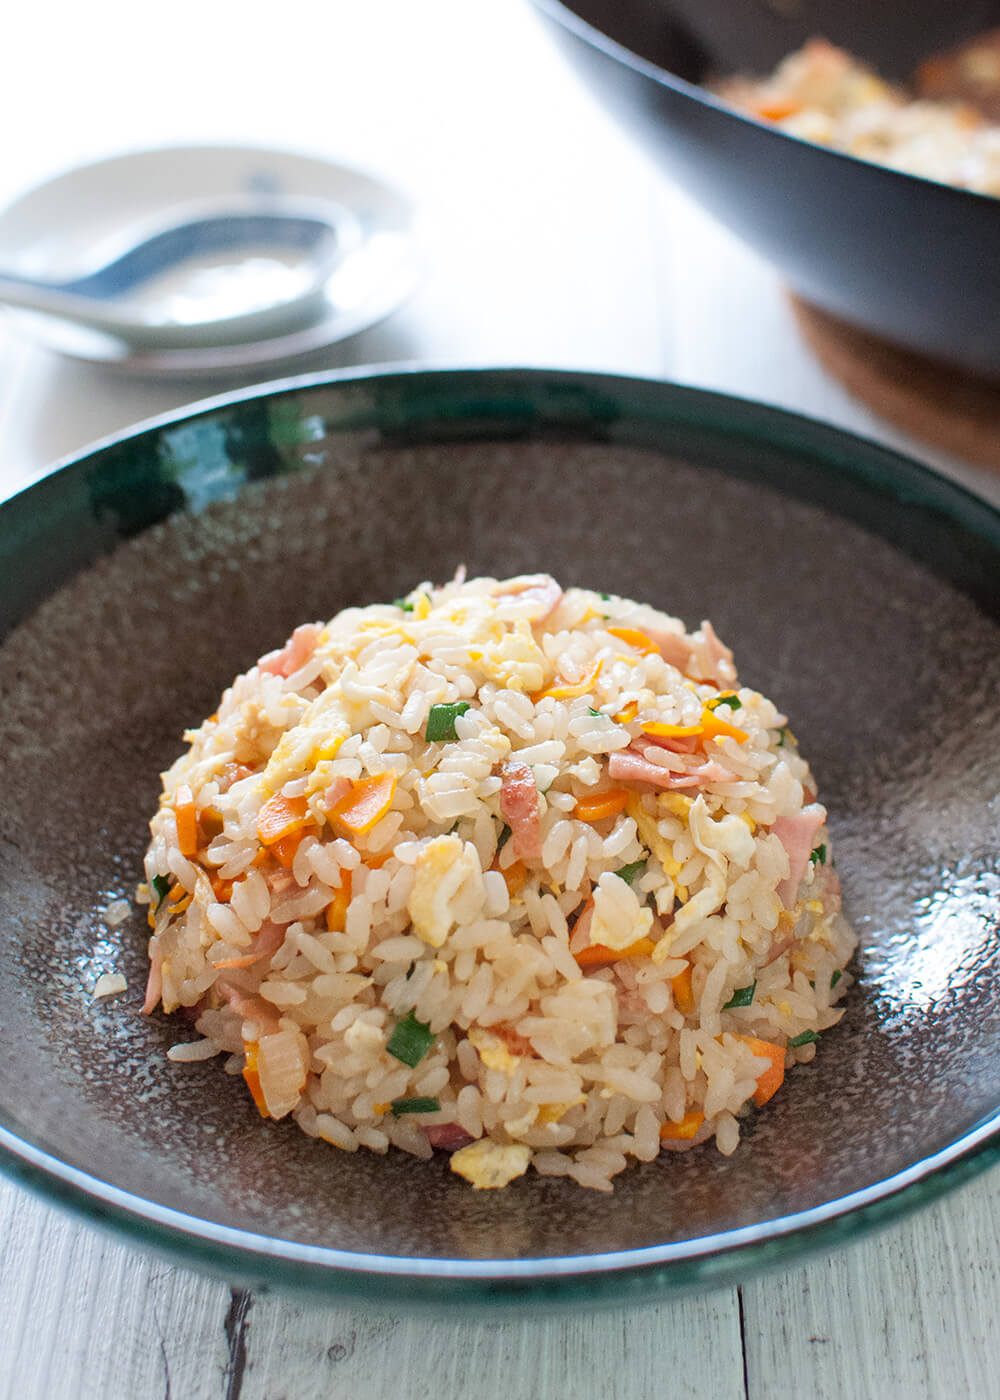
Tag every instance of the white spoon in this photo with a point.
(257, 295)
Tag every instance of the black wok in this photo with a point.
(906, 258)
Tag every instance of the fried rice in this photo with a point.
(514, 873)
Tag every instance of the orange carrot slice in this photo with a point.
(515, 875)
(771, 1080)
(683, 996)
(598, 955)
(632, 637)
(187, 820)
(688, 1127)
(627, 713)
(368, 801)
(658, 730)
(336, 910)
(252, 1077)
(280, 816)
(570, 690)
(285, 849)
(712, 726)
(595, 806)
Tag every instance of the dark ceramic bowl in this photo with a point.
(859, 589)
(903, 257)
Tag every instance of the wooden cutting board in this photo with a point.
(942, 406)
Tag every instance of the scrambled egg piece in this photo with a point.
(619, 919)
(442, 868)
(489, 1165)
(492, 1051)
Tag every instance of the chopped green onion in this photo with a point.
(403, 603)
(596, 713)
(818, 856)
(410, 1041)
(161, 884)
(733, 701)
(806, 1038)
(503, 838)
(605, 596)
(629, 872)
(835, 978)
(783, 735)
(441, 721)
(743, 996)
(414, 1106)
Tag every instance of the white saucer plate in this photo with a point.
(52, 232)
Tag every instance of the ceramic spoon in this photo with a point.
(256, 296)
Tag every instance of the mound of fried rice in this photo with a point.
(510, 872)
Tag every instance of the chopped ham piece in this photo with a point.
(250, 1007)
(676, 743)
(674, 647)
(519, 809)
(539, 590)
(630, 766)
(295, 653)
(513, 1039)
(798, 836)
(713, 659)
(782, 945)
(449, 1137)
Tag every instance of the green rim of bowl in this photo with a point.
(91, 501)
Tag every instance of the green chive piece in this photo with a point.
(503, 838)
(733, 701)
(596, 713)
(743, 996)
(818, 856)
(161, 884)
(605, 596)
(629, 872)
(835, 978)
(441, 721)
(783, 736)
(410, 1041)
(414, 1106)
(806, 1038)
(403, 603)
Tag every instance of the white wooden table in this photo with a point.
(555, 243)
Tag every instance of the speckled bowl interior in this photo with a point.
(858, 591)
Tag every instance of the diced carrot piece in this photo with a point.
(683, 996)
(632, 637)
(598, 955)
(771, 1080)
(515, 875)
(222, 889)
(284, 850)
(657, 730)
(712, 726)
(280, 816)
(367, 802)
(336, 910)
(187, 820)
(570, 690)
(252, 1077)
(688, 1127)
(775, 109)
(595, 806)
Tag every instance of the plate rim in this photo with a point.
(220, 361)
(609, 1278)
